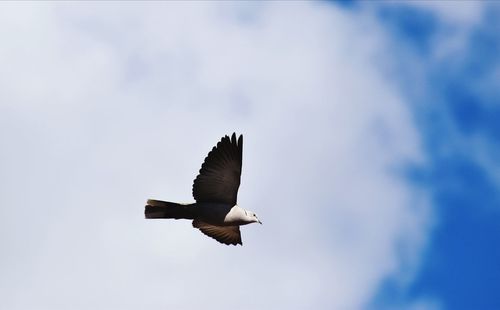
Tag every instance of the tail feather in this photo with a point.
(157, 209)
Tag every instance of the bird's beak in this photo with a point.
(260, 222)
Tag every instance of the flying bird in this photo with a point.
(215, 212)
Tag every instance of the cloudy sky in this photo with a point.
(371, 153)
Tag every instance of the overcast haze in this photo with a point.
(104, 105)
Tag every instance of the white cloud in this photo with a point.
(107, 105)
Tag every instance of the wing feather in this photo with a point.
(219, 177)
(224, 234)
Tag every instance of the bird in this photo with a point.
(215, 190)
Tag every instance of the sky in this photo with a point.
(371, 146)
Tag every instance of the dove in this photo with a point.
(215, 212)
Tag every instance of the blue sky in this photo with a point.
(371, 146)
(461, 106)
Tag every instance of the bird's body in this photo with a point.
(219, 214)
(215, 190)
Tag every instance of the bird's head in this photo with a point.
(252, 217)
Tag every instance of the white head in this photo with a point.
(251, 217)
(240, 216)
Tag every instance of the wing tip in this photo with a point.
(232, 243)
(236, 139)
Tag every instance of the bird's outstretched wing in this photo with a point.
(219, 177)
(223, 234)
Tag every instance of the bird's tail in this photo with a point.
(157, 209)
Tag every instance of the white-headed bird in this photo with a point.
(215, 190)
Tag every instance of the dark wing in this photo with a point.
(219, 177)
(224, 234)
